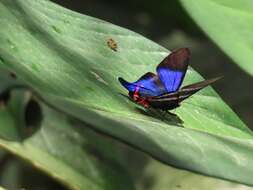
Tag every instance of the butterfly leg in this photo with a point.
(164, 113)
(170, 113)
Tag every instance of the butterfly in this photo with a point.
(162, 91)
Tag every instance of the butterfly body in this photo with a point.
(156, 102)
(162, 91)
(165, 103)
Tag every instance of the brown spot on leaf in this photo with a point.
(111, 43)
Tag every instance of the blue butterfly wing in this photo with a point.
(148, 85)
(172, 69)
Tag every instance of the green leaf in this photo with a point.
(68, 154)
(149, 174)
(12, 132)
(6, 119)
(10, 172)
(228, 23)
(158, 176)
(64, 149)
(64, 57)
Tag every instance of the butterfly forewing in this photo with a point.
(172, 69)
(151, 81)
(172, 100)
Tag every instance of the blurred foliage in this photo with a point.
(152, 18)
(16, 175)
(227, 23)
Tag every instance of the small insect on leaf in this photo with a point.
(112, 44)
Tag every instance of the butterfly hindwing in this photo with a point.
(172, 69)
(191, 89)
(148, 85)
(172, 100)
(166, 101)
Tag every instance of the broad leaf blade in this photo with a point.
(64, 57)
(228, 23)
(61, 148)
(163, 178)
(67, 155)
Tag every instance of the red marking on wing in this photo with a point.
(138, 99)
(136, 93)
(144, 103)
